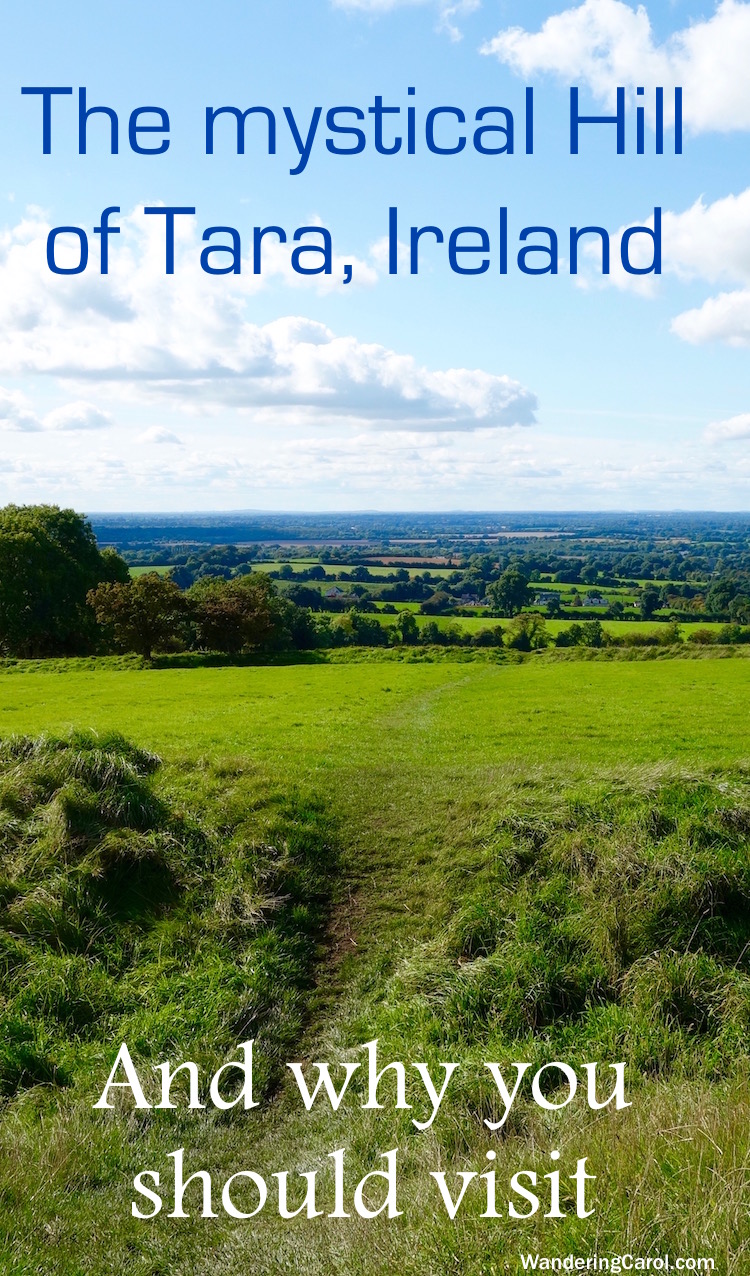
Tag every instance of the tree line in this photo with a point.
(61, 595)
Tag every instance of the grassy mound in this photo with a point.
(614, 924)
(125, 917)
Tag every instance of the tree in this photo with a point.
(49, 560)
(408, 628)
(305, 596)
(739, 609)
(649, 602)
(437, 603)
(554, 606)
(142, 615)
(432, 634)
(492, 637)
(511, 592)
(527, 632)
(356, 629)
(235, 615)
(570, 637)
(113, 566)
(720, 596)
(592, 633)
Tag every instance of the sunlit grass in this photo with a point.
(531, 861)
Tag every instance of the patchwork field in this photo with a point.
(469, 861)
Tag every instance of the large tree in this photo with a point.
(238, 615)
(49, 560)
(141, 615)
(511, 592)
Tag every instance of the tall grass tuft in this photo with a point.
(124, 916)
(615, 925)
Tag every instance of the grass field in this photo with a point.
(536, 861)
(332, 569)
(473, 624)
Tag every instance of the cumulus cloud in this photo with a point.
(712, 242)
(737, 427)
(725, 317)
(187, 338)
(16, 413)
(77, 416)
(448, 10)
(606, 43)
(157, 434)
(706, 242)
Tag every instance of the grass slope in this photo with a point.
(536, 861)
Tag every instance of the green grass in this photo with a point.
(145, 571)
(537, 860)
(332, 569)
(473, 624)
(121, 909)
(326, 716)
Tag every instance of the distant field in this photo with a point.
(145, 571)
(472, 624)
(332, 569)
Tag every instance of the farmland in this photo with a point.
(421, 784)
(475, 624)
(684, 569)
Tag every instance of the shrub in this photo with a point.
(702, 637)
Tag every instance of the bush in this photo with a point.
(488, 637)
(702, 637)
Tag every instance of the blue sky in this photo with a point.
(144, 392)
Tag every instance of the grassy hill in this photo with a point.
(468, 861)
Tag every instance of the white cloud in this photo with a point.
(15, 413)
(448, 10)
(706, 242)
(497, 470)
(187, 339)
(725, 317)
(77, 416)
(606, 43)
(157, 434)
(737, 427)
(712, 242)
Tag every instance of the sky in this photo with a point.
(137, 390)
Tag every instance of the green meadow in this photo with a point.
(474, 624)
(333, 716)
(135, 572)
(467, 860)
